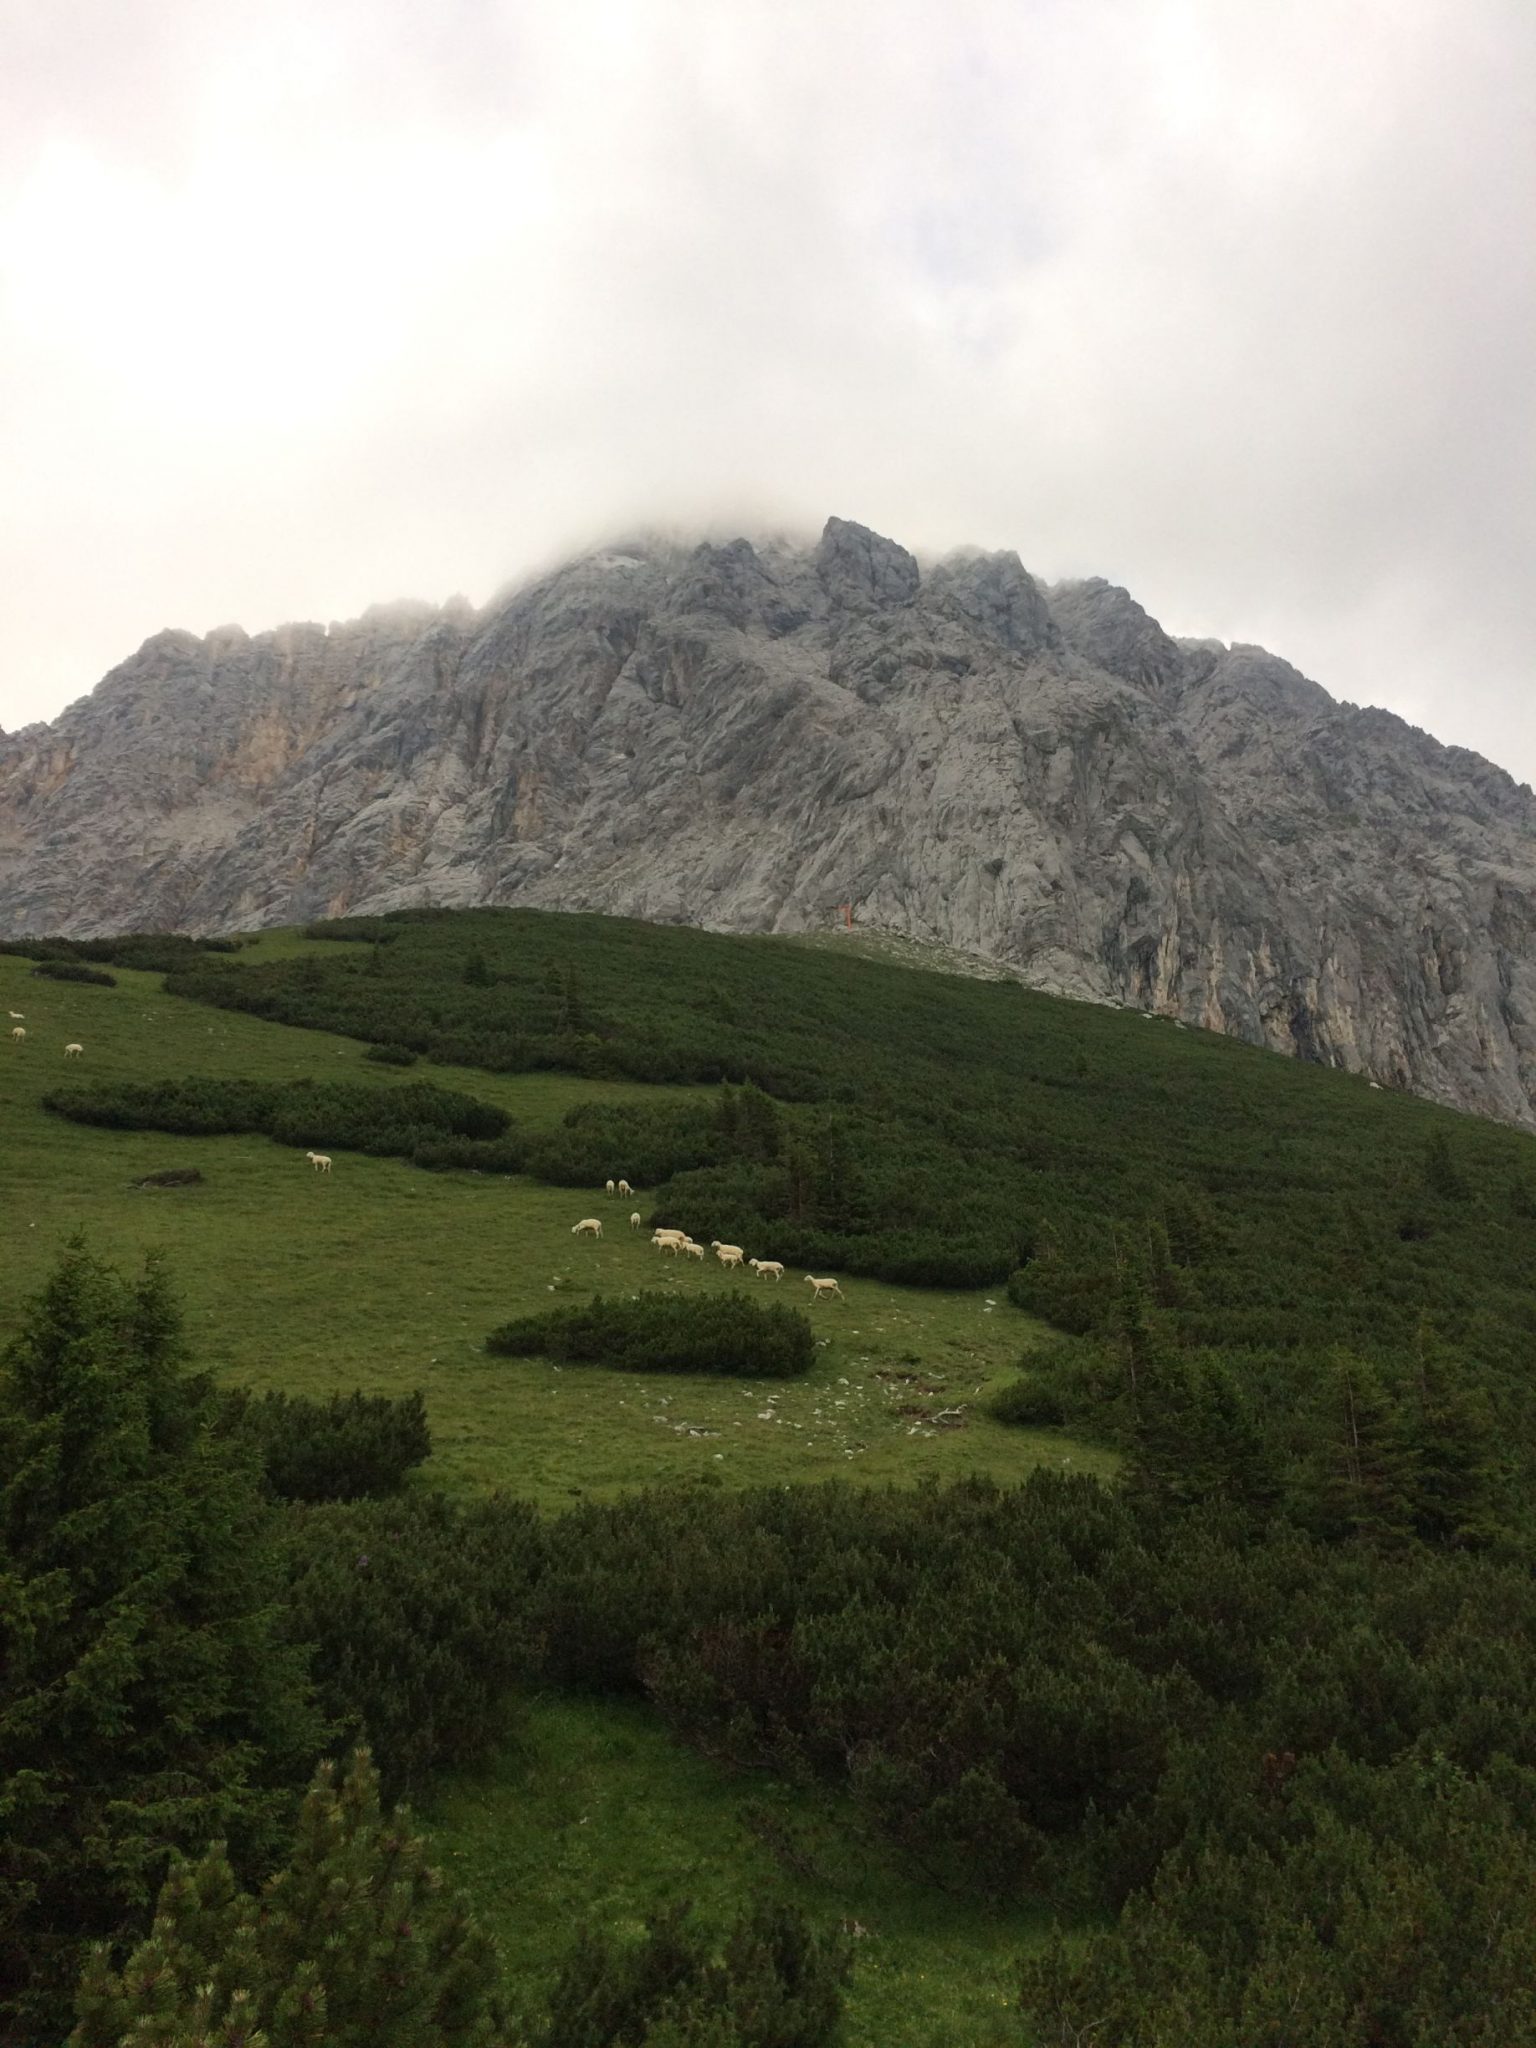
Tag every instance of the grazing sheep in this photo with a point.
(667, 1235)
(669, 1244)
(625, 1188)
(19, 1033)
(694, 1251)
(73, 1052)
(608, 1188)
(587, 1227)
(716, 1246)
(1373, 1084)
(320, 1161)
(18, 1015)
(821, 1287)
(634, 1219)
(728, 1254)
(762, 1266)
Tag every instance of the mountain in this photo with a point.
(748, 736)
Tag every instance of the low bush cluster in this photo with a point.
(351, 1447)
(420, 1612)
(651, 1332)
(389, 1122)
(75, 970)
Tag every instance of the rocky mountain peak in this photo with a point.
(859, 568)
(747, 734)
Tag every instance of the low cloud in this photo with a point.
(311, 305)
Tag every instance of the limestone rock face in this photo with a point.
(746, 736)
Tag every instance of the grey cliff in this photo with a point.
(746, 737)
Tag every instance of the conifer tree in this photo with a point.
(354, 1944)
(1358, 1468)
(146, 1698)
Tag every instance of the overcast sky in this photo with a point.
(309, 303)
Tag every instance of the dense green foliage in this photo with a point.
(940, 1131)
(385, 1121)
(155, 952)
(354, 1943)
(147, 1701)
(1033, 1688)
(774, 1984)
(420, 1614)
(75, 970)
(348, 1448)
(651, 1332)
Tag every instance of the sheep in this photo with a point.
(587, 1227)
(19, 1033)
(608, 1188)
(670, 1244)
(668, 1236)
(694, 1251)
(625, 1188)
(762, 1266)
(320, 1161)
(821, 1287)
(73, 1052)
(17, 1016)
(728, 1254)
(716, 1246)
(634, 1219)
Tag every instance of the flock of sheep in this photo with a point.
(673, 1241)
(19, 1033)
(676, 1241)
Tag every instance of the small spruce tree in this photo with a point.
(356, 1943)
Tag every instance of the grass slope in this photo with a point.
(388, 1278)
(598, 1815)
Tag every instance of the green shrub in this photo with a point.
(388, 1122)
(352, 1447)
(1027, 1403)
(651, 1332)
(418, 1610)
(391, 1055)
(75, 970)
(773, 1983)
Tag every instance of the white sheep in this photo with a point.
(821, 1287)
(672, 1244)
(634, 1219)
(728, 1254)
(587, 1227)
(667, 1235)
(716, 1246)
(625, 1188)
(19, 1033)
(320, 1161)
(608, 1188)
(73, 1052)
(694, 1251)
(762, 1266)
(18, 1015)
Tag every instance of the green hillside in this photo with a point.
(1219, 1366)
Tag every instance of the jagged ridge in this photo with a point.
(745, 737)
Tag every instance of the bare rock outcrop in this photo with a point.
(746, 736)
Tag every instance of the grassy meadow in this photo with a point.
(384, 1277)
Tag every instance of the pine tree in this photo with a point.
(354, 1944)
(1450, 1432)
(146, 1699)
(1357, 1473)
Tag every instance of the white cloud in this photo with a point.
(306, 305)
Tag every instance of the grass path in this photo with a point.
(597, 1815)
